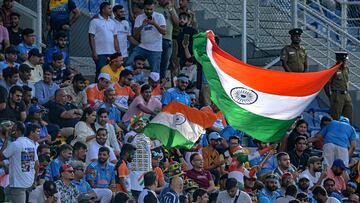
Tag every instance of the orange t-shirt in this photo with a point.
(156, 92)
(123, 172)
(211, 157)
(122, 95)
(218, 115)
(94, 94)
(159, 176)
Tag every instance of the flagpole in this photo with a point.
(244, 54)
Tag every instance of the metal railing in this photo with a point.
(329, 27)
(337, 38)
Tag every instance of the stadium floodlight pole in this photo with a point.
(243, 41)
(294, 13)
(39, 23)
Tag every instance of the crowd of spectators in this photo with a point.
(65, 139)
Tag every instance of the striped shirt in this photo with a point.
(170, 197)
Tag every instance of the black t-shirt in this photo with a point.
(300, 162)
(181, 51)
(15, 37)
(3, 94)
(12, 114)
(60, 75)
(149, 197)
(56, 109)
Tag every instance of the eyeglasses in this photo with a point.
(79, 169)
(70, 171)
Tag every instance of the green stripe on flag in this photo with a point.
(260, 127)
(167, 136)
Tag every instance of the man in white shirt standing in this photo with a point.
(22, 160)
(149, 29)
(103, 37)
(123, 31)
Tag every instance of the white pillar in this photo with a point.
(294, 13)
(39, 22)
(344, 18)
(244, 33)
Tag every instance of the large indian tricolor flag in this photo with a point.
(262, 103)
(178, 125)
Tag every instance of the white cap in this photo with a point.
(105, 76)
(154, 76)
(303, 175)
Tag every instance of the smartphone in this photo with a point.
(324, 166)
(186, 38)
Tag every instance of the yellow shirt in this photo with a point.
(114, 76)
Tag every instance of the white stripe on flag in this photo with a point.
(267, 105)
(191, 131)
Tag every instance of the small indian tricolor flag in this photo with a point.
(179, 125)
(262, 103)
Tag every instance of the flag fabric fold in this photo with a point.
(179, 125)
(260, 102)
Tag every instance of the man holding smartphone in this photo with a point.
(149, 29)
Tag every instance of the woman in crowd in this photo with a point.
(85, 128)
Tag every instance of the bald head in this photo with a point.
(353, 198)
(60, 95)
(177, 184)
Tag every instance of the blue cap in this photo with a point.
(339, 163)
(35, 108)
(352, 184)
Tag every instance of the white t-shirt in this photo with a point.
(82, 131)
(93, 152)
(190, 71)
(151, 38)
(38, 196)
(332, 200)
(313, 180)
(123, 30)
(22, 156)
(224, 197)
(111, 139)
(238, 175)
(141, 162)
(104, 31)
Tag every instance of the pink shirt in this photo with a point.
(340, 184)
(134, 109)
(4, 35)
